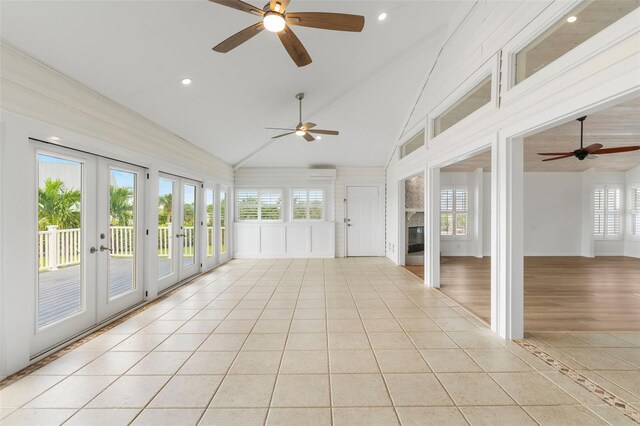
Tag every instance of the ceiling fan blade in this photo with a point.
(593, 148)
(327, 21)
(278, 5)
(238, 38)
(280, 128)
(325, 132)
(294, 47)
(555, 153)
(240, 5)
(616, 150)
(283, 135)
(559, 158)
(309, 137)
(309, 125)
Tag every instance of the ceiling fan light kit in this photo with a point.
(304, 129)
(591, 152)
(276, 19)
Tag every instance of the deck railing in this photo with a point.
(61, 247)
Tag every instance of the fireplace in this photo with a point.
(415, 241)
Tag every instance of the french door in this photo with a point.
(178, 230)
(89, 242)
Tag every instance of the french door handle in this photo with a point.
(103, 248)
(180, 235)
(92, 250)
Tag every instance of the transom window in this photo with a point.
(576, 27)
(634, 210)
(260, 204)
(472, 101)
(607, 212)
(454, 212)
(307, 204)
(412, 144)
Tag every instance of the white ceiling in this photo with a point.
(137, 52)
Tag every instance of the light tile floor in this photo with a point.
(306, 342)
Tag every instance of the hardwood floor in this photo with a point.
(561, 293)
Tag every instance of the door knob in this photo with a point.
(103, 248)
(92, 250)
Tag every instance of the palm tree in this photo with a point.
(58, 205)
(121, 205)
(165, 205)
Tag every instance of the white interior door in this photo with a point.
(364, 230)
(121, 237)
(178, 230)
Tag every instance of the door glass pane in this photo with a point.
(223, 220)
(188, 221)
(122, 232)
(165, 227)
(60, 287)
(210, 230)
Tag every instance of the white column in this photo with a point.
(478, 211)
(507, 270)
(432, 227)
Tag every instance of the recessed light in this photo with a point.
(572, 19)
(186, 81)
(319, 138)
(382, 16)
(54, 139)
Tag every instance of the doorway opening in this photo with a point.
(465, 233)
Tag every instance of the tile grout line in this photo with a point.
(194, 352)
(416, 347)
(286, 340)
(583, 381)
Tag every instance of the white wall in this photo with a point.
(553, 215)
(39, 102)
(249, 241)
(286, 238)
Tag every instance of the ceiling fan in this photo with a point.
(592, 151)
(275, 18)
(304, 129)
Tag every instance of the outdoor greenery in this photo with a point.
(121, 204)
(165, 207)
(58, 205)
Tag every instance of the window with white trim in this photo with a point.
(454, 211)
(307, 204)
(260, 204)
(634, 210)
(607, 212)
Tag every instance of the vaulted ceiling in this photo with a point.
(137, 53)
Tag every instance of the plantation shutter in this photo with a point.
(271, 205)
(598, 212)
(462, 211)
(614, 214)
(634, 206)
(446, 211)
(299, 205)
(316, 204)
(247, 204)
